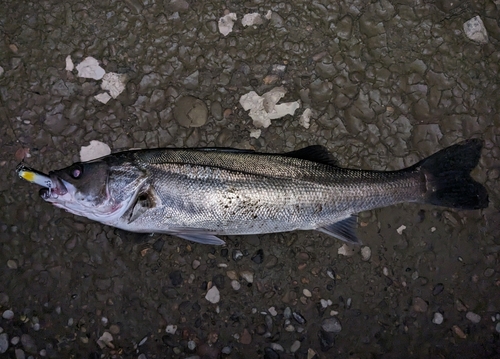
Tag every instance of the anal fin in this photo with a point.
(344, 230)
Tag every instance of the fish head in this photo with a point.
(100, 190)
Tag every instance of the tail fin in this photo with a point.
(447, 177)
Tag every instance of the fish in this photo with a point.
(199, 194)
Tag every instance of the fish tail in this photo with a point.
(446, 177)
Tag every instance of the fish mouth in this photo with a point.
(58, 188)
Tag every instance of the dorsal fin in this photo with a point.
(316, 153)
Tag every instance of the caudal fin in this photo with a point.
(447, 177)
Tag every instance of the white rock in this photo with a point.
(114, 83)
(305, 118)
(171, 329)
(473, 317)
(255, 133)
(474, 29)
(272, 311)
(366, 253)
(265, 108)
(438, 318)
(213, 295)
(226, 23)
(89, 68)
(268, 15)
(346, 250)
(69, 63)
(103, 97)
(105, 340)
(307, 293)
(1, 70)
(235, 284)
(94, 150)
(401, 229)
(247, 275)
(324, 303)
(4, 342)
(251, 19)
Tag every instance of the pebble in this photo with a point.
(20, 354)
(460, 306)
(247, 275)
(28, 344)
(191, 345)
(226, 350)
(438, 318)
(270, 353)
(331, 325)
(401, 229)
(190, 111)
(15, 340)
(473, 317)
(295, 346)
(366, 253)
(459, 332)
(8, 314)
(420, 305)
(246, 337)
(235, 284)
(474, 29)
(258, 257)
(196, 263)
(438, 288)
(277, 347)
(213, 295)
(171, 329)
(114, 329)
(142, 356)
(12, 264)
(272, 311)
(4, 342)
(290, 328)
(298, 317)
(497, 327)
(237, 255)
(346, 250)
(287, 313)
(307, 293)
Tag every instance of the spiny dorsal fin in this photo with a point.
(316, 153)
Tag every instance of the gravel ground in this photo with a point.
(388, 82)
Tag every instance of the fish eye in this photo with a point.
(76, 171)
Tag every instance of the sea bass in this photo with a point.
(200, 193)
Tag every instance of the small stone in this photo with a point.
(299, 318)
(191, 345)
(94, 150)
(438, 318)
(331, 325)
(104, 321)
(43, 353)
(12, 264)
(15, 340)
(235, 285)
(142, 356)
(4, 342)
(438, 288)
(287, 313)
(497, 327)
(460, 306)
(247, 275)
(295, 346)
(8, 314)
(226, 350)
(20, 354)
(245, 337)
(1, 71)
(114, 329)
(401, 229)
(307, 293)
(196, 263)
(277, 347)
(237, 255)
(251, 19)
(272, 311)
(226, 23)
(270, 353)
(103, 97)
(114, 83)
(473, 317)
(346, 250)
(232, 274)
(289, 328)
(105, 340)
(258, 257)
(171, 329)
(474, 29)
(366, 253)
(28, 344)
(489, 272)
(69, 63)
(213, 295)
(311, 353)
(420, 305)
(190, 111)
(459, 332)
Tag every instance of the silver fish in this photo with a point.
(198, 194)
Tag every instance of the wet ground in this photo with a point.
(388, 82)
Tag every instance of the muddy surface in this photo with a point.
(388, 83)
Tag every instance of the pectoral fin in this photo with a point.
(201, 238)
(344, 230)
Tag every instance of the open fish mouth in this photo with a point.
(53, 186)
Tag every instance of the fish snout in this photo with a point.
(57, 188)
